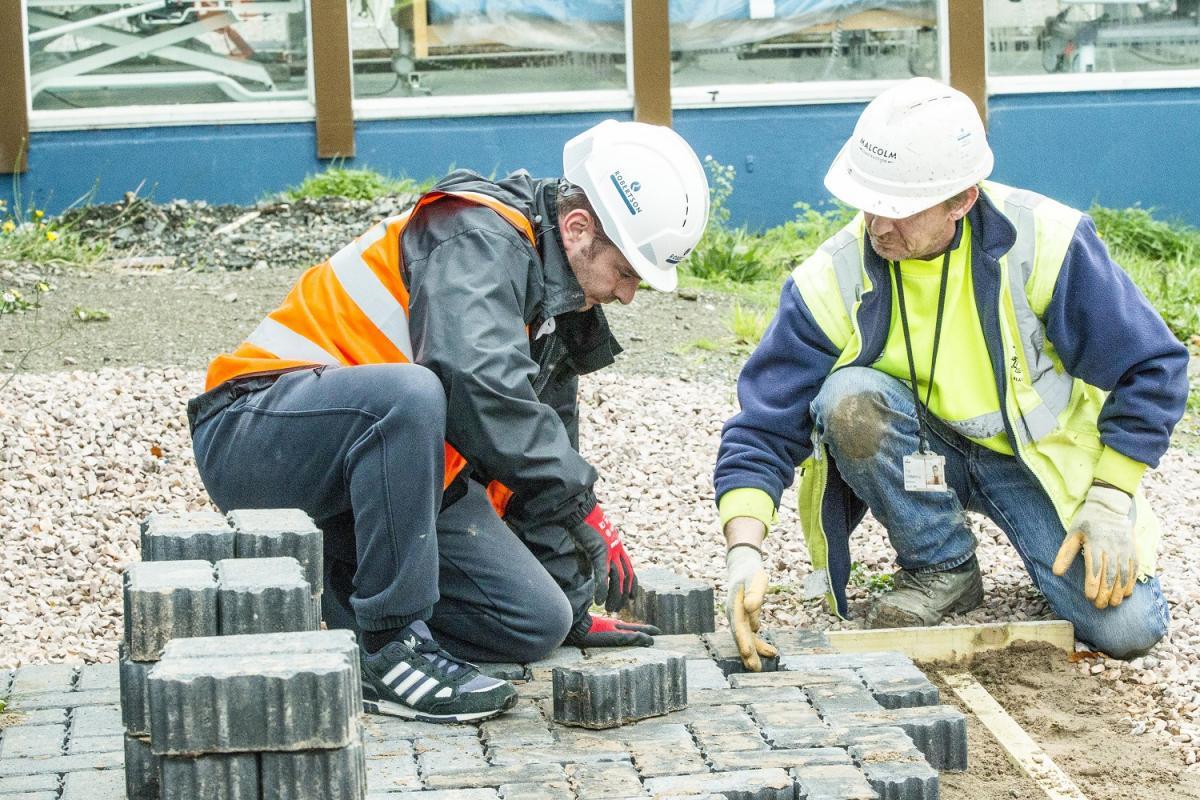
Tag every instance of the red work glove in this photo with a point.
(605, 632)
(601, 542)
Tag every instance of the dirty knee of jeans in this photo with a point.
(856, 426)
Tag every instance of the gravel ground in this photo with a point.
(85, 455)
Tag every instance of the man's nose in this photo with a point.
(879, 225)
(625, 290)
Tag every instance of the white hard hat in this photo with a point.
(648, 189)
(915, 145)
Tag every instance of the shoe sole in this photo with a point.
(388, 708)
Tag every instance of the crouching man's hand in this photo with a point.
(593, 631)
(1103, 528)
(600, 540)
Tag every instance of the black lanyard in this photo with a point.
(922, 408)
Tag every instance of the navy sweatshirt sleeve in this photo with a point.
(762, 444)
(1107, 333)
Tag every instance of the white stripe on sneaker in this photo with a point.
(408, 682)
(416, 694)
(395, 672)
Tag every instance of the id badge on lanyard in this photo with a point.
(925, 472)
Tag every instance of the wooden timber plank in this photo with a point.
(954, 642)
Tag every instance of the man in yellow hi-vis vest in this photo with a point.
(959, 345)
(416, 395)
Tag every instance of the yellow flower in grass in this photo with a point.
(9, 226)
(38, 214)
(51, 236)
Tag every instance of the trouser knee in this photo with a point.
(852, 411)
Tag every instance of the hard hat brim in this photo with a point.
(843, 183)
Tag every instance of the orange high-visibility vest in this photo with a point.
(349, 310)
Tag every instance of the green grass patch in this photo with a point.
(354, 184)
(871, 581)
(31, 237)
(747, 324)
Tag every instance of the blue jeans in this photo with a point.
(868, 421)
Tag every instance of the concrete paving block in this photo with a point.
(448, 756)
(802, 642)
(376, 727)
(813, 662)
(614, 689)
(94, 744)
(27, 703)
(754, 680)
(452, 794)
(30, 784)
(658, 758)
(187, 536)
(210, 777)
(730, 720)
(143, 776)
(497, 776)
(44, 678)
(286, 701)
(33, 741)
(96, 721)
(792, 715)
(743, 697)
(263, 595)
(729, 760)
(819, 735)
(536, 689)
(283, 532)
(502, 756)
(135, 694)
(940, 732)
(558, 657)
(832, 782)
(339, 774)
(105, 784)
(836, 698)
(257, 644)
(392, 774)
(11, 767)
(97, 676)
(33, 796)
(166, 600)
(688, 645)
(504, 672)
(705, 674)
(552, 790)
(755, 784)
(38, 716)
(904, 780)
(724, 651)
(889, 744)
(899, 686)
(673, 603)
(598, 782)
(523, 726)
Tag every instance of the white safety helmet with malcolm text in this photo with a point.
(915, 145)
(649, 190)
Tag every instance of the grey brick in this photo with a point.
(730, 720)
(724, 651)
(656, 758)
(210, 777)
(24, 703)
(285, 532)
(30, 784)
(97, 676)
(187, 536)
(902, 780)
(142, 769)
(107, 784)
(837, 698)
(524, 726)
(832, 782)
(452, 794)
(536, 689)
(394, 748)
(673, 603)
(94, 744)
(617, 688)
(96, 721)
(448, 756)
(165, 600)
(45, 678)
(33, 796)
(741, 697)
(135, 694)
(558, 657)
(689, 645)
(496, 776)
(37, 716)
(758, 680)
(802, 642)
(705, 674)
(795, 714)
(725, 761)
(299, 642)
(551, 790)
(812, 662)
(889, 744)
(820, 735)
(328, 774)
(505, 672)
(598, 782)
(940, 732)
(376, 727)
(501, 756)
(899, 686)
(642, 732)
(33, 741)
(286, 701)
(392, 773)
(57, 764)
(263, 595)
(756, 784)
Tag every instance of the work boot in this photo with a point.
(412, 677)
(924, 598)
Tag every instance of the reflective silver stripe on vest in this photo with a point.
(844, 252)
(368, 292)
(285, 343)
(985, 426)
(1052, 386)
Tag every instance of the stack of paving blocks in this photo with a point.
(254, 575)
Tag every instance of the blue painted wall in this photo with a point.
(1116, 148)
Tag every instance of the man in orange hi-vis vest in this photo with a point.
(416, 395)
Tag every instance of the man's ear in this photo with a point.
(968, 202)
(576, 225)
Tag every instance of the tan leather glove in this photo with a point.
(746, 588)
(1103, 527)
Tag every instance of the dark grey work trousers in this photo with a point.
(360, 449)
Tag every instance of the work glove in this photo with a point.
(1103, 527)
(606, 632)
(746, 588)
(601, 542)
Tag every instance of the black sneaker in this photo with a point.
(412, 677)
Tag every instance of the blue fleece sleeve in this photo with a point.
(1107, 333)
(762, 444)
